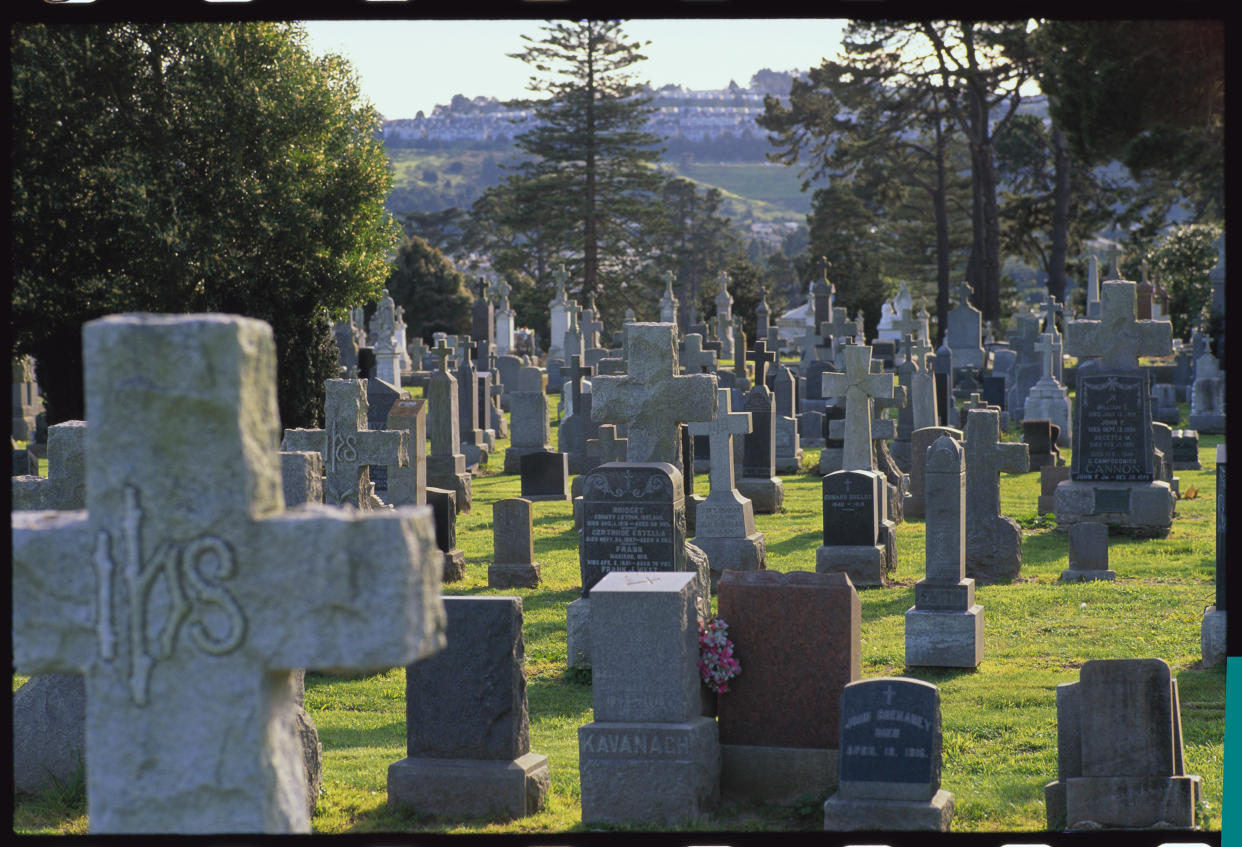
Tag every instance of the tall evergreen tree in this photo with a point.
(592, 159)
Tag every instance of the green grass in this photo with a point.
(999, 721)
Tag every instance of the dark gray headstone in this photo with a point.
(380, 399)
(469, 700)
(851, 508)
(545, 476)
(759, 445)
(633, 519)
(890, 739)
(994, 391)
(444, 509)
(1112, 431)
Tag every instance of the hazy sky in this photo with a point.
(405, 66)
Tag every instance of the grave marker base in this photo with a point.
(776, 774)
(765, 495)
(1208, 422)
(1150, 514)
(1212, 636)
(849, 814)
(653, 773)
(733, 554)
(1087, 575)
(513, 576)
(944, 639)
(1124, 802)
(470, 787)
(864, 565)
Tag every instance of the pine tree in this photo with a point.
(593, 161)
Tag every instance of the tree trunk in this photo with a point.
(1060, 216)
(590, 257)
(989, 302)
(940, 202)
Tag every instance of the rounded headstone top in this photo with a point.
(945, 456)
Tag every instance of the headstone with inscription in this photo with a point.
(1120, 759)
(467, 725)
(530, 430)
(944, 627)
(1088, 554)
(649, 755)
(197, 502)
(891, 759)
(797, 638)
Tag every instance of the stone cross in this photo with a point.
(591, 329)
(841, 328)
(608, 447)
(698, 360)
(560, 278)
(858, 386)
(651, 398)
(1051, 308)
(920, 350)
(442, 352)
(1093, 286)
(574, 373)
(986, 457)
(1045, 347)
(739, 347)
(347, 446)
(720, 431)
(761, 357)
(186, 594)
(907, 323)
(963, 293)
(762, 311)
(1118, 338)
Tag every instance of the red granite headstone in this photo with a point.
(796, 636)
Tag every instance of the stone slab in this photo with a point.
(1212, 634)
(578, 633)
(778, 775)
(1150, 513)
(944, 639)
(1131, 802)
(520, 575)
(862, 564)
(736, 554)
(765, 495)
(849, 814)
(666, 774)
(460, 788)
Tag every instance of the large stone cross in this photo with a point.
(919, 351)
(347, 446)
(651, 398)
(607, 447)
(1118, 338)
(186, 594)
(986, 457)
(698, 360)
(720, 431)
(574, 373)
(963, 293)
(858, 385)
(560, 278)
(761, 357)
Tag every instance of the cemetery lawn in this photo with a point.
(999, 720)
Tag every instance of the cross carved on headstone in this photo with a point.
(720, 431)
(1118, 338)
(185, 591)
(858, 385)
(761, 357)
(697, 359)
(651, 398)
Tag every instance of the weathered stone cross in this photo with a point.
(651, 398)
(185, 593)
(720, 431)
(607, 446)
(963, 293)
(1050, 309)
(574, 373)
(698, 360)
(858, 385)
(986, 457)
(347, 446)
(920, 350)
(907, 323)
(1118, 338)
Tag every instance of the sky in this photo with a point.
(407, 66)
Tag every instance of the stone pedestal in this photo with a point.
(863, 564)
(449, 472)
(471, 787)
(521, 575)
(944, 639)
(765, 495)
(748, 553)
(664, 773)
(1212, 636)
(1208, 422)
(848, 814)
(1143, 509)
(1102, 802)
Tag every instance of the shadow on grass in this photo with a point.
(883, 602)
(338, 738)
(795, 543)
(938, 675)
